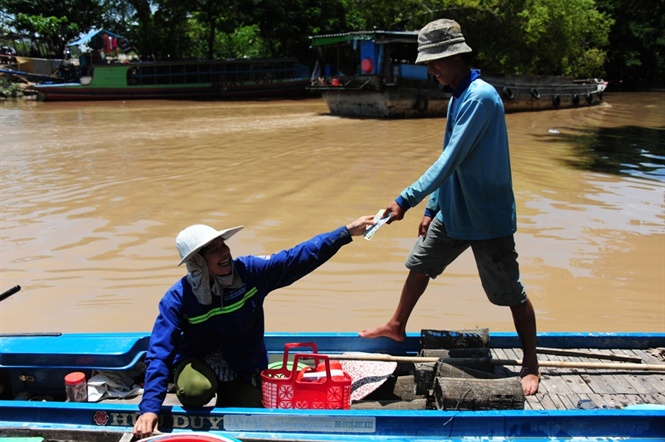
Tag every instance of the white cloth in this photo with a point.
(110, 384)
(203, 286)
(366, 376)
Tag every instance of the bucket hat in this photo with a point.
(440, 39)
(194, 238)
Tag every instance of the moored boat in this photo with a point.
(594, 386)
(193, 79)
(372, 74)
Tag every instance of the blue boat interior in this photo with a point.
(38, 364)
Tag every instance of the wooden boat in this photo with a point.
(372, 74)
(219, 79)
(595, 386)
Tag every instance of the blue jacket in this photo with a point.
(185, 328)
(470, 184)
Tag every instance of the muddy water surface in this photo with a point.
(93, 195)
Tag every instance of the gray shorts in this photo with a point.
(496, 260)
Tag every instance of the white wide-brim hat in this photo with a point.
(194, 238)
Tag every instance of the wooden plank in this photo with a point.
(416, 404)
(557, 388)
(645, 355)
(647, 384)
(563, 387)
(607, 399)
(601, 400)
(561, 403)
(502, 370)
(656, 383)
(600, 384)
(577, 384)
(658, 398)
(570, 401)
(610, 384)
(626, 399)
(574, 381)
(544, 400)
(589, 376)
(512, 353)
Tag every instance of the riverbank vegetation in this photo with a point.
(620, 40)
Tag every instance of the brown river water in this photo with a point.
(94, 194)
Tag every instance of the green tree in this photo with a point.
(141, 29)
(221, 27)
(566, 37)
(170, 30)
(163, 29)
(285, 27)
(636, 59)
(393, 15)
(572, 37)
(50, 32)
(51, 22)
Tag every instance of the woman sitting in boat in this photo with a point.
(209, 335)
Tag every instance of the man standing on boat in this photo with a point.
(209, 335)
(471, 201)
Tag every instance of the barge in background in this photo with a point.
(373, 74)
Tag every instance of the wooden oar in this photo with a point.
(591, 365)
(587, 354)
(559, 364)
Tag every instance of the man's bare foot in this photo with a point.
(386, 330)
(530, 381)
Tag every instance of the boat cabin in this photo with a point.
(389, 55)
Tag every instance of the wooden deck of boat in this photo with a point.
(560, 388)
(572, 388)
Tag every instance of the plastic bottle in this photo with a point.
(76, 387)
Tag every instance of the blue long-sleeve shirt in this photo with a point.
(470, 184)
(235, 327)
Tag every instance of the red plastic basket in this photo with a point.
(283, 388)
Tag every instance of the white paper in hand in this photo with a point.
(370, 231)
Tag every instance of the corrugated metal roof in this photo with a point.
(381, 37)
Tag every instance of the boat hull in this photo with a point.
(34, 367)
(211, 80)
(77, 92)
(525, 93)
(320, 425)
(393, 102)
(518, 95)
